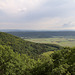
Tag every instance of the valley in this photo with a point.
(36, 56)
(62, 41)
(62, 38)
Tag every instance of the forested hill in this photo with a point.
(60, 62)
(26, 47)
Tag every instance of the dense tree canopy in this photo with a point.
(21, 46)
(14, 62)
(58, 63)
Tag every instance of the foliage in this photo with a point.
(12, 63)
(21, 46)
(60, 62)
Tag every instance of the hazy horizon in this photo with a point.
(9, 30)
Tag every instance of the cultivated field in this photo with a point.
(70, 42)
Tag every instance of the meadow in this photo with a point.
(69, 42)
(47, 53)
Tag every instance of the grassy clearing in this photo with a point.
(47, 53)
(70, 42)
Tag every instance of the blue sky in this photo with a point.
(37, 14)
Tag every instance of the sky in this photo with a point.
(37, 14)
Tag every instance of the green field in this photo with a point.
(70, 42)
(47, 53)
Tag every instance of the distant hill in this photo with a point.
(42, 34)
(26, 47)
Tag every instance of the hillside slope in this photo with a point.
(26, 47)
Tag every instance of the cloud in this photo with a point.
(68, 25)
(18, 6)
(37, 14)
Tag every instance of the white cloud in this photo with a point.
(18, 6)
(37, 14)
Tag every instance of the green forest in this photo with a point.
(21, 57)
